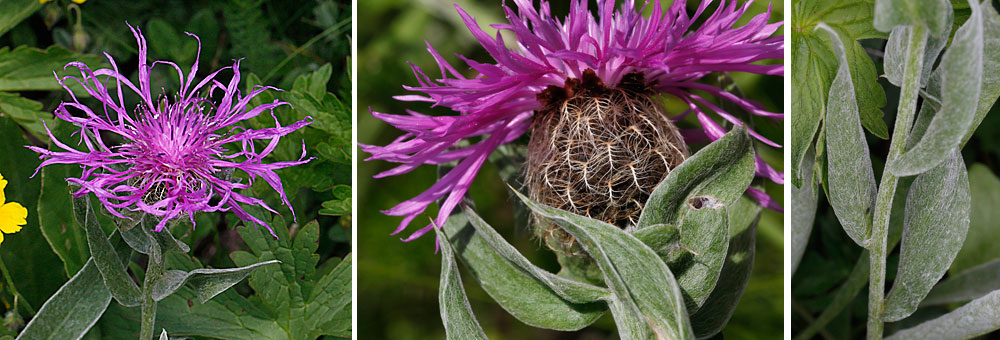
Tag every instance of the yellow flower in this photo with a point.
(12, 215)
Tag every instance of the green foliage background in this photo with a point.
(398, 282)
(303, 49)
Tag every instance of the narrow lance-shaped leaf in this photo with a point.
(804, 203)
(851, 178)
(719, 307)
(634, 272)
(528, 293)
(961, 80)
(936, 220)
(456, 313)
(112, 268)
(976, 318)
(207, 283)
(967, 285)
(77, 305)
(991, 67)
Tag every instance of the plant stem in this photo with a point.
(154, 270)
(13, 290)
(887, 188)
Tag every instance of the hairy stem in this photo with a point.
(154, 270)
(887, 188)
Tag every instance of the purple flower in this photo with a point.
(175, 154)
(498, 103)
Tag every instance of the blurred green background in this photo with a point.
(277, 43)
(398, 282)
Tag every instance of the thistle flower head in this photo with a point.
(175, 153)
(617, 46)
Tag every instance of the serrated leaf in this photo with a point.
(976, 318)
(931, 13)
(13, 11)
(77, 305)
(811, 73)
(206, 283)
(982, 243)
(936, 220)
(722, 170)
(804, 203)
(961, 76)
(27, 113)
(530, 294)
(967, 285)
(456, 313)
(851, 177)
(30, 69)
(112, 268)
(718, 308)
(314, 83)
(341, 204)
(633, 271)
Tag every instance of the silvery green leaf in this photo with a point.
(207, 283)
(991, 67)
(719, 307)
(530, 294)
(141, 239)
(976, 318)
(73, 309)
(456, 313)
(634, 272)
(851, 178)
(934, 227)
(573, 291)
(720, 172)
(705, 235)
(895, 52)
(982, 243)
(112, 268)
(931, 13)
(968, 285)
(629, 320)
(804, 203)
(961, 79)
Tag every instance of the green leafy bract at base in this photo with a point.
(456, 313)
(639, 281)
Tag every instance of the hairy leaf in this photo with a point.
(456, 313)
(936, 220)
(112, 268)
(207, 283)
(804, 202)
(967, 285)
(976, 318)
(851, 178)
(982, 243)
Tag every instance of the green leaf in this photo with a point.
(719, 307)
(967, 285)
(991, 67)
(935, 14)
(456, 313)
(27, 113)
(961, 76)
(341, 204)
(207, 283)
(13, 11)
(30, 69)
(314, 83)
(113, 270)
(976, 318)
(851, 177)
(811, 75)
(637, 277)
(982, 243)
(705, 234)
(804, 202)
(719, 172)
(896, 47)
(77, 305)
(936, 220)
(55, 214)
(532, 295)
